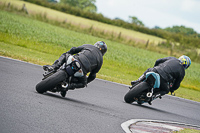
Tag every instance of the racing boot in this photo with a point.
(141, 78)
(56, 65)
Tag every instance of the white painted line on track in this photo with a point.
(163, 125)
(18, 60)
(183, 99)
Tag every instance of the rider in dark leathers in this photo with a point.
(171, 71)
(90, 58)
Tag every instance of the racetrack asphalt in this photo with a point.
(98, 108)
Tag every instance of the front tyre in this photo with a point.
(51, 82)
(135, 92)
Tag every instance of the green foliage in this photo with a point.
(165, 44)
(134, 20)
(187, 130)
(86, 5)
(182, 29)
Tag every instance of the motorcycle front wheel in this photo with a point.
(51, 82)
(135, 92)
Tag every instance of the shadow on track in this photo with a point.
(78, 102)
(159, 110)
(150, 108)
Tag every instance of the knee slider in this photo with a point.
(151, 80)
(73, 67)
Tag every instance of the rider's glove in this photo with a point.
(48, 68)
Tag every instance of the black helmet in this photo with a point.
(101, 45)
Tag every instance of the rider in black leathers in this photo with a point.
(90, 58)
(171, 71)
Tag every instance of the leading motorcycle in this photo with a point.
(146, 91)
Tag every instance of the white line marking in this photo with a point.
(163, 125)
(126, 125)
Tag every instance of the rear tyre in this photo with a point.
(140, 102)
(135, 92)
(51, 82)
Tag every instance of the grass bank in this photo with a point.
(41, 43)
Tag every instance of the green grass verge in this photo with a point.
(41, 43)
(188, 131)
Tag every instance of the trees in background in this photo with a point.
(135, 20)
(182, 29)
(86, 5)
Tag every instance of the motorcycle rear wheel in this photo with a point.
(135, 92)
(51, 82)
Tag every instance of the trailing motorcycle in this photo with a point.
(146, 91)
(58, 81)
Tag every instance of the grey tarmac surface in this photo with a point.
(98, 108)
